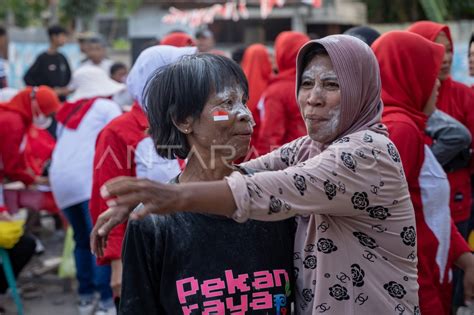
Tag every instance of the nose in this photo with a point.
(244, 114)
(315, 97)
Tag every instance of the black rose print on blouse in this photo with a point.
(349, 161)
(393, 152)
(408, 235)
(276, 205)
(360, 200)
(326, 246)
(358, 275)
(338, 292)
(300, 183)
(395, 289)
(330, 189)
(365, 240)
(416, 310)
(342, 140)
(368, 138)
(378, 212)
(310, 262)
(307, 295)
(288, 155)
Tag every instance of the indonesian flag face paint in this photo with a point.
(220, 115)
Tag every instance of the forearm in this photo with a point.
(209, 197)
(465, 261)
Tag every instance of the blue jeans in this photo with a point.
(90, 276)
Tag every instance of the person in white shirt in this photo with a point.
(79, 122)
(97, 54)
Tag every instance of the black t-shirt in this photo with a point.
(49, 69)
(190, 263)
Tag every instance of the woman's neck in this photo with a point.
(202, 169)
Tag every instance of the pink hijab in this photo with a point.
(358, 73)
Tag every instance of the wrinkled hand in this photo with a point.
(123, 195)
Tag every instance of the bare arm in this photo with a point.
(466, 263)
(214, 197)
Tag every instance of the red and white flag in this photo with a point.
(220, 115)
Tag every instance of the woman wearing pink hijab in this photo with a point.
(355, 244)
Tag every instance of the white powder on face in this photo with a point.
(328, 130)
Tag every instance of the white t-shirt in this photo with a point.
(73, 156)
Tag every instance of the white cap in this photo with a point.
(91, 81)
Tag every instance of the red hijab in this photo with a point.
(430, 30)
(47, 99)
(257, 67)
(409, 66)
(178, 40)
(452, 95)
(287, 45)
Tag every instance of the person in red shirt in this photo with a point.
(123, 148)
(281, 120)
(457, 100)
(408, 101)
(257, 67)
(31, 106)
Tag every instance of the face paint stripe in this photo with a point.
(221, 118)
(220, 115)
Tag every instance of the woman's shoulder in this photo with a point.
(367, 147)
(366, 137)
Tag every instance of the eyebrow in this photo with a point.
(306, 75)
(329, 77)
(221, 98)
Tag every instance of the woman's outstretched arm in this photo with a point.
(125, 193)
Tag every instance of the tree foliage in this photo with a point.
(398, 11)
(25, 12)
(28, 12)
(79, 8)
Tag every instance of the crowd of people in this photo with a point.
(326, 175)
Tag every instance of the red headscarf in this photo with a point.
(430, 30)
(258, 69)
(453, 96)
(409, 66)
(178, 40)
(47, 99)
(287, 45)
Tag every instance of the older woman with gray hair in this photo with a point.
(355, 246)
